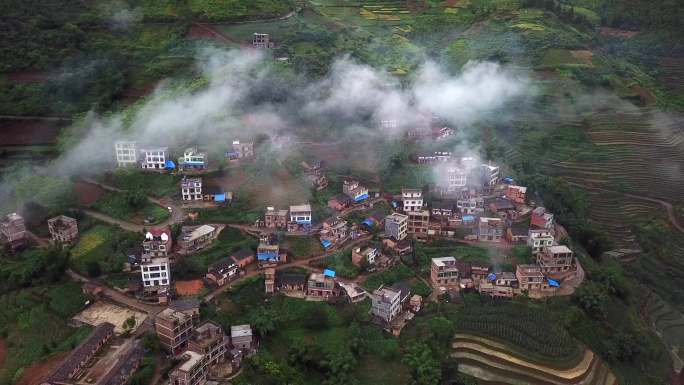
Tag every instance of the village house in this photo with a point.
(216, 194)
(63, 230)
(490, 174)
(275, 219)
(555, 259)
(241, 337)
(539, 239)
(334, 230)
(494, 290)
(506, 278)
(240, 150)
(418, 223)
(540, 219)
(79, 358)
(126, 153)
(354, 190)
(432, 157)
(222, 271)
(412, 200)
(367, 255)
(517, 194)
(268, 255)
(291, 282)
(375, 219)
(470, 206)
(478, 271)
(443, 209)
(444, 272)
(318, 182)
(322, 285)
(353, 292)
(195, 238)
(453, 179)
(262, 40)
(517, 233)
(154, 158)
(300, 218)
(503, 208)
(441, 133)
(192, 159)
(387, 304)
(193, 370)
(127, 364)
(243, 258)
(189, 306)
(401, 247)
(530, 277)
(489, 229)
(13, 232)
(396, 226)
(155, 273)
(173, 329)
(191, 189)
(339, 202)
(269, 280)
(157, 243)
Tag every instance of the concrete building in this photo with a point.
(209, 340)
(418, 223)
(489, 230)
(335, 230)
(539, 239)
(126, 153)
(516, 193)
(262, 40)
(154, 158)
(240, 150)
(269, 280)
(222, 271)
(412, 200)
(387, 303)
(339, 202)
(243, 258)
(491, 174)
(189, 306)
(191, 189)
(530, 277)
(195, 238)
(540, 219)
(241, 337)
(63, 230)
(354, 190)
(156, 274)
(192, 371)
(396, 226)
(268, 254)
(444, 272)
(275, 219)
(173, 329)
(157, 243)
(366, 254)
(470, 206)
(192, 159)
(13, 232)
(301, 214)
(555, 259)
(321, 286)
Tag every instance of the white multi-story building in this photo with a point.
(191, 189)
(457, 178)
(126, 154)
(156, 273)
(154, 158)
(396, 226)
(412, 199)
(386, 303)
(490, 174)
(301, 214)
(193, 159)
(539, 239)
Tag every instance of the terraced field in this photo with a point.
(669, 324)
(495, 363)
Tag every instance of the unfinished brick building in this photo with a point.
(13, 232)
(63, 229)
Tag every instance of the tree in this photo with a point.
(424, 368)
(317, 318)
(341, 363)
(592, 298)
(264, 320)
(129, 323)
(93, 268)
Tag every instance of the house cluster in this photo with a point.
(76, 368)
(296, 219)
(312, 286)
(553, 264)
(353, 193)
(203, 350)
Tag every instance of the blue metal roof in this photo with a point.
(468, 218)
(267, 256)
(361, 197)
(508, 180)
(326, 243)
(329, 273)
(552, 282)
(368, 222)
(491, 277)
(302, 222)
(169, 164)
(220, 198)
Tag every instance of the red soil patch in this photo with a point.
(38, 372)
(193, 287)
(87, 193)
(26, 132)
(28, 77)
(204, 31)
(615, 32)
(645, 95)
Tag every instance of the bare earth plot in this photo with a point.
(101, 312)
